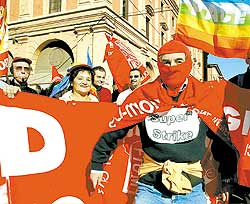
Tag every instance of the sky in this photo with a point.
(228, 66)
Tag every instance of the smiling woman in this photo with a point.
(81, 79)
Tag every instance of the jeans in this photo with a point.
(147, 194)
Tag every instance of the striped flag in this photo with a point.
(219, 27)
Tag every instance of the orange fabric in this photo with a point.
(153, 97)
(82, 124)
(122, 170)
(210, 170)
(172, 176)
(240, 115)
(208, 99)
(71, 177)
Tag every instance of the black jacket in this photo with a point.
(23, 86)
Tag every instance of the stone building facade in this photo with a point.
(59, 32)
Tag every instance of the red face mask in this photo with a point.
(174, 76)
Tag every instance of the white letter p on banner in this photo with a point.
(15, 157)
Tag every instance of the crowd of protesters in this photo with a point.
(86, 84)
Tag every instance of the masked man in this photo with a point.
(173, 139)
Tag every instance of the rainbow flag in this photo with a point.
(219, 27)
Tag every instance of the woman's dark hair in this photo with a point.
(76, 69)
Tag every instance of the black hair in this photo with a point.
(100, 68)
(19, 59)
(73, 73)
(136, 69)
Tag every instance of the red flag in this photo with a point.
(4, 63)
(56, 77)
(121, 60)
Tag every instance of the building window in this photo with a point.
(150, 14)
(55, 6)
(147, 26)
(173, 21)
(162, 7)
(125, 9)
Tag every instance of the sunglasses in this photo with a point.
(134, 76)
(20, 68)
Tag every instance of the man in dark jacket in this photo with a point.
(103, 94)
(238, 194)
(243, 80)
(169, 147)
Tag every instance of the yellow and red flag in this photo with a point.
(219, 27)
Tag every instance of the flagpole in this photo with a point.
(8, 190)
(92, 51)
(7, 79)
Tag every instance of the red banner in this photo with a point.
(237, 111)
(121, 60)
(210, 100)
(4, 63)
(46, 147)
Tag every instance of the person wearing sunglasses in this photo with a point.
(21, 69)
(135, 78)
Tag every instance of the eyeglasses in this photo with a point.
(20, 68)
(134, 76)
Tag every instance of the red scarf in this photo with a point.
(153, 97)
(207, 99)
